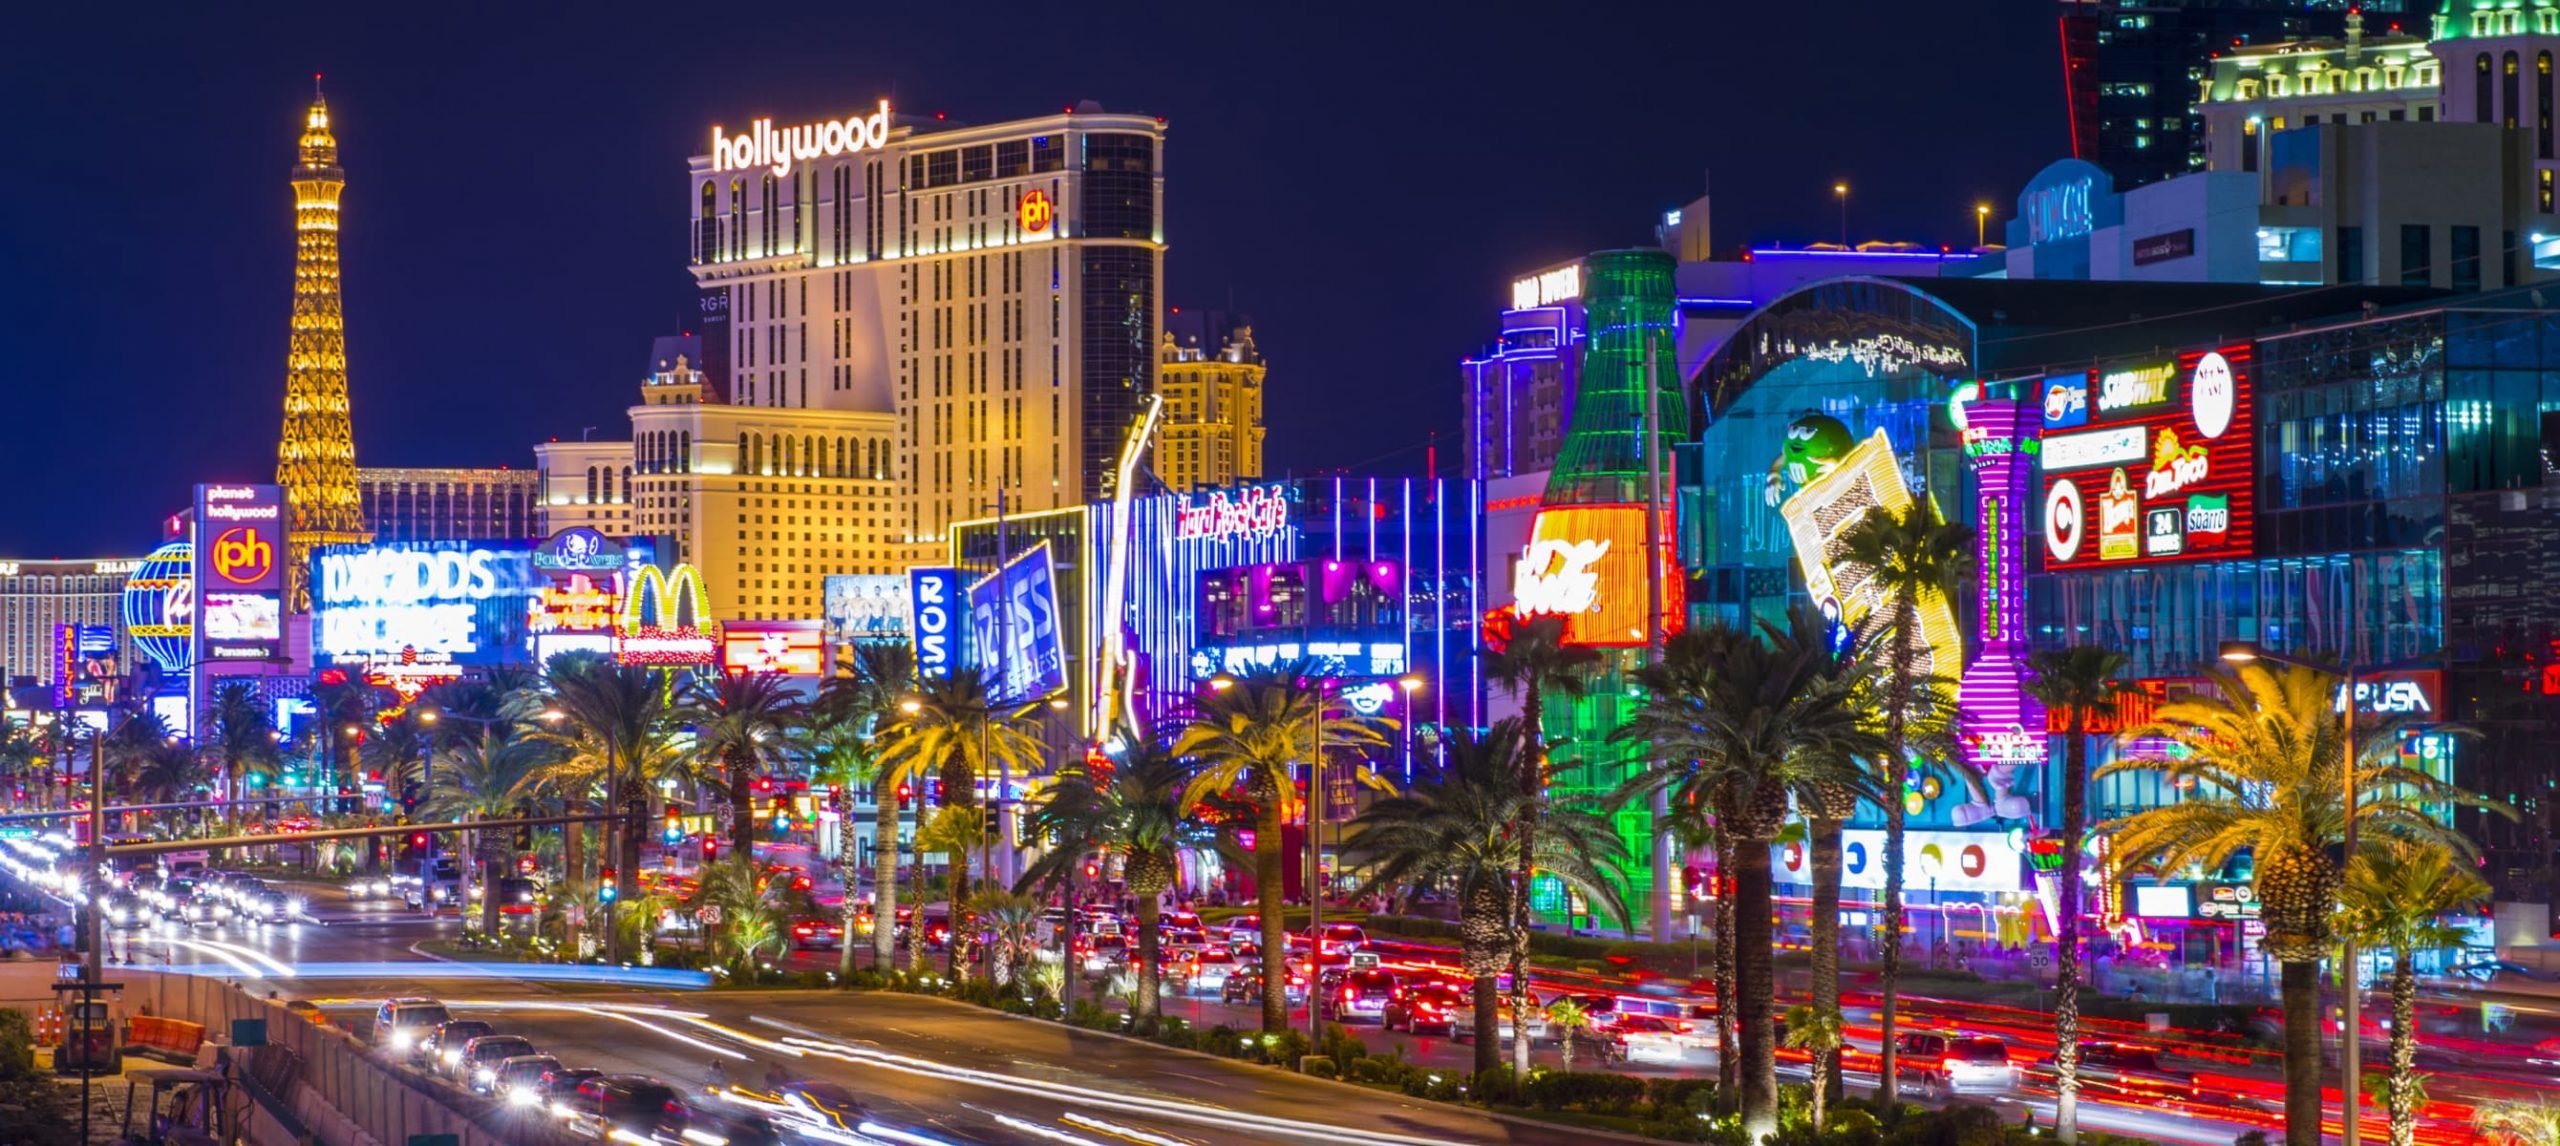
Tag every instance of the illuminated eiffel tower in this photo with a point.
(316, 457)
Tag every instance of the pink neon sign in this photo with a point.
(2002, 729)
(1255, 511)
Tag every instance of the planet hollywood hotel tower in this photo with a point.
(994, 287)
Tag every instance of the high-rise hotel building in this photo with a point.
(988, 296)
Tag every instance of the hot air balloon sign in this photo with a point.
(159, 607)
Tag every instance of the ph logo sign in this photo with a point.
(1036, 212)
(243, 556)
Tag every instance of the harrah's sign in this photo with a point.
(763, 146)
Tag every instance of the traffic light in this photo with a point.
(524, 864)
(673, 833)
(710, 849)
(608, 887)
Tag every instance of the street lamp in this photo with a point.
(2243, 652)
(1840, 191)
(1981, 225)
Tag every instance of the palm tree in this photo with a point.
(613, 720)
(751, 911)
(1827, 805)
(1533, 664)
(953, 730)
(1817, 1030)
(869, 702)
(1008, 916)
(168, 772)
(1743, 723)
(1247, 735)
(741, 720)
(2397, 896)
(2519, 1122)
(484, 778)
(1566, 1020)
(2078, 682)
(1910, 555)
(2262, 757)
(1455, 832)
(21, 755)
(1134, 812)
(241, 731)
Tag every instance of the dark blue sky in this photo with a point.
(1363, 179)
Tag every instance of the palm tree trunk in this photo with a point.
(1889, 1073)
(1533, 784)
(1268, 871)
(1150, 952)
(2066, 954)
(573, 870)
(2403, 1097)
(742, 814)
(884, 878)
(848, 915)
(1488, 1001)
(2300, 984)
(1728, 1045)
(1755, 989)
(1824, 934)
(1067, 948)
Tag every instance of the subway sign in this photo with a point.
(2150, 461)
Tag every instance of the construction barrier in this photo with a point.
(169, 1040)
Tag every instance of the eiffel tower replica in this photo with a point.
(316, 456)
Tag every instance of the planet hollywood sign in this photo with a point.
(761, 145)
(1254, 512)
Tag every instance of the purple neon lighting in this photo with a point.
(2002, 728)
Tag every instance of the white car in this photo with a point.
(1462, 1022)
(1959, 1063)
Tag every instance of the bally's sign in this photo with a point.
(763, 145)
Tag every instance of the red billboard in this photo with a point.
(2158, 463)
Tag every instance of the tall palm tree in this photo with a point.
(1911, 555)
(2262, 757)
(868, 701)
(2079, 682)
(1134, 812)
(1455, 832)
(1743, 724)
(953, 730)
(741, 720)
(1827, 805)
(1534, 664)
(241, 731)
(2398, 896)
(168, 772)
(1245, 738)
(484, 778)
(613, 719)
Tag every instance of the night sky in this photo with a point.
(1362, 179)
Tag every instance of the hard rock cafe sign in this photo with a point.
(1252, 512)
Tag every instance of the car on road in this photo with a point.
(478, 1066)
(2497, 975)
(1331, 939)
(1244, 985)
(174, 894)
(1358, 994)
(268, 905)
(1209, 971)
(1462, 1022)
(1652, 1038)
(1243, 929)
(126, 910)
(402, 1023)
(2128, 1071)
(443, 1046)
(369, 887)
(205, 909)
(518, 895)
(619, 1107)
(1951, 1063)
(239, 887)
(816, 933)
(1422, 1008)
(519, 1079)
(560, 1084)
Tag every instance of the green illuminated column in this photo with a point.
(1627, 299)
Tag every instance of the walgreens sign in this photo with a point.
(2163, 469)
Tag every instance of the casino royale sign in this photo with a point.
(762, 145)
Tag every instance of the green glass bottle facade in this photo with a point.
(1627, 301)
